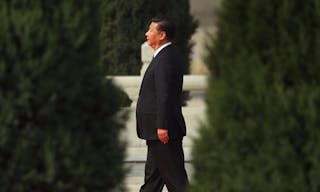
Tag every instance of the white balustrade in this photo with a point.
(131, 84)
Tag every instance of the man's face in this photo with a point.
(154, 36)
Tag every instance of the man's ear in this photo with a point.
(163, 35)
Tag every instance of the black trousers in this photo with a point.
(165, 166)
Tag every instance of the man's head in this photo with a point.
(161, 31)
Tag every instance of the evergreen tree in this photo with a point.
(124, 26)
(263, 129)
(58, 124)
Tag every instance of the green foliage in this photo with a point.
(125, 24)
(263, 129)
(58, 124)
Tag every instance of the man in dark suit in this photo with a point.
(159, 117)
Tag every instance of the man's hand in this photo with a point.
(163, 135)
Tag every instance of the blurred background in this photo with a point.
(204, 12)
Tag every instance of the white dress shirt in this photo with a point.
(160, 48)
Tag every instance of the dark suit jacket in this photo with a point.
(159, 103)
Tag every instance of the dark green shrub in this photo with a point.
(263, 129)
(58, 124)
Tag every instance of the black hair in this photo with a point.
(166, 25)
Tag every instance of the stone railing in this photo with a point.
(131, 84)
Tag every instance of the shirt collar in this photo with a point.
(160, 48)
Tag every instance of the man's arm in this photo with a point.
(163, 80)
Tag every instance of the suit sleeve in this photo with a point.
(163, 81)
